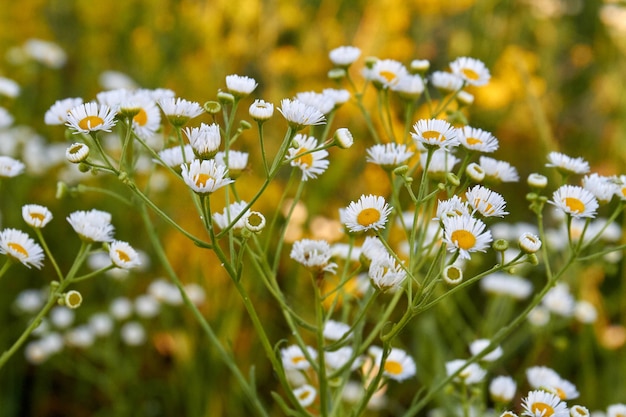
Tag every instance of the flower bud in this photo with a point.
(212, 107)
(77, 152)
(337, 73)
(537, 181)
(254, 221)
(452, 274)
(500, 245)
(72, 299)
(225, 98)
(475, 172)
(343, 138)
(529, 243)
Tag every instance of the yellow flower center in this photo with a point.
(304, 395)
(368, 216)
(202, 179)
(542, 409)
(463, 239)
(474, 141)
(298, 359)
(487, 208)
(141, 118)
(470, 74)
(624, 191)
(18, 248)
(574, 204)
(388, 75)
(433, 134)
(393, 367)
(306, 159)
(581, 410)
(90, 122)
(122, 255)
(561, 393)
(37, 216)
(74, 299)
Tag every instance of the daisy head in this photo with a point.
(335, 330)
(344, 56)
(293, 358)
(91, 117)
(322, 102)
(543, 404)
(477, 139)
(398, 365)
(343, 138)
(575, 201)
(57, 113)
(299, 115)
(123, 255)
(502, 389)
(465, 234)
(446, 82)
(435, 133)
(385, 273)
(179, 111)
(77, 153)
(240, 85)
(479, 345)
(603, 188)
(579, 411)
(387, 73)
(616, 410)
(471, 374)
(230, 213)
(567, 165)
(471, 70)
(147, 119)
(237, 162)
(261, 110)
(174, 157)
(409, 87)
(92, 226)
(529, 243)
(368, 213)
(205, 140)
(389, 155)
(498, 171)
(314, 254)
(18, 246)
(488, 203)
(205, 177)
(36, 216)
(302, 155)
(501, 283)
(452, 207)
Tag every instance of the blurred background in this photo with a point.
(557, 84)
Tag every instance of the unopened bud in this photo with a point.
(72, 299)
(212, 107)
(500, 245)
(452, 274)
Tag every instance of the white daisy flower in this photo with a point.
(179, 111)
(472, 374)
(339, 358)
(446, 82)
(123, 255)
(372, 248)
(36, 216)
(477, 346)
(299, 114)
(305, 394)
(261, 110)
(6, 119)
(157, 94)
(294, 358)
(9, 88)
(500, 283)
(575, 201)
(385, 273)
(409, 87)
(343, 138)
(471, 70)
(314, 254)
(579, 411)
(616, 410)
(502, 389)
(453, 207)
(240, 85)
(452, 274)
(368, 213)
(310, 163)
(398, 365)
(147, 306)
(603, 188)
(488, 203)
(229, 214)
(477, 139)
(237, 162)
(389, 156)
(475, 172)
(419, 65)
(80, 337)
(508, 414)
(91, 117)
(111, 80)
(206, 176)
(543, 404)
(57, 113)
(498, 171)
(92, 226)
(559, 300)
(173, 157)
(205, 140)
(18, 246)
(386, 73)
(77, 152)
(121, 308)
(435, 132)
(335, 330)
(133, 333)
(344, 56)
(322, 102)
(535, 180)
(148, 120)
(529, 243)
(337, 96)
(113, 98)
(566, 164)
(47, 53)
(465, 234)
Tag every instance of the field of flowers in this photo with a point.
(313, 208)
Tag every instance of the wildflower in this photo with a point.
(472, 374)
(205, 140)
(475, 172)
(179, 111)
(123, 255)
(441, 162)
(409, 87)
(575, 201)
(344, 56)
(537, 181)
(261, 110)
(368, 213)
(498, 171)
(305, 395)
(453, 207)
(147, 306)
(36, 216)
(465, 234)
(463, 98)
(9, 88)
(322, 102)
(314, 254)
(620, 184)
(6, 119)
(77, 153)
(585, 312)
(480, 345)
(419, 65)
(173, 157)
(165, 292)
(334, 330)
(304, 156)
(566, 164)
(254, 221)
(616, 410)
(337, 96)
(45, 52)
(529, 243)
(91, 117)
(559, 300)
(398, 365)
(446, 82)
(80, 337)
(343, 138)
(29, 301)
(205, 177)
(236, 164)
(385, 273)
(602, 188)
(61, 317)
(389, 156)
(133, 333)
(543, 404)
(294, 358)
(224, 218)
(471, 70)
(240, 85)
(505, 284)
(57, 113)
(486, 202)
(452, 274)
(477, 139)
(299, 114)
(502, 389)
(148, 118)
(579, 411)
(372, 248)
(435, 132)
(10, 167)
(73, 299)
(386, 73)
(92, 226)
(18, 246)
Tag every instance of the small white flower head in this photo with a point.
(36, 216)
(123, 255)
(389, 156)
(477, 139)
(29, 301)
(579, 411)
(472, 374)
(544, 404)
(465, 234)
(475, 172)
(236, 164)
(205, 177)
(57, 113)
(114, 98)
(441, 163)
(299, 114)
(101, 324)
(223, 219)
(386, 73)
(435, 133)
(121, 308)
(539, 316)
(502, 389)
(498, 171)
(559, 300)
(322, 102)
(500, 283)
(471, 70)
(368, 213)
(173, 157)
(477, 346)
(616, 410)
(463, 98)
(302, 155)
(398, 365)
(91, 117)
(146, 306)
(372, 248)
(254, 221)
(81, 337)
(133, 333)
(147, 120)
(261, 110)
(305, 395)
(585, 312)
(294, 358)
(452, 274)
(537, 181)
(240, 85)
(529, 243)
(6, 119)
(337, 96)
(92, 226)
(603, 188)
(453, 207)
(77, 153)
(409, 87)
(46, 53)
(446, 82)
(575, 201)
(179, 111)
(419, 66)
(18, 246)
(341, 357)
(334, 330)
(10, 167)
(61, 317)
(488, 203)
(73, 299)
(205, 140)
(9, 88)
(385, 273)
(343, 138)
(344, 56)
(313, 254)
(541, 376)
(566, 164)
